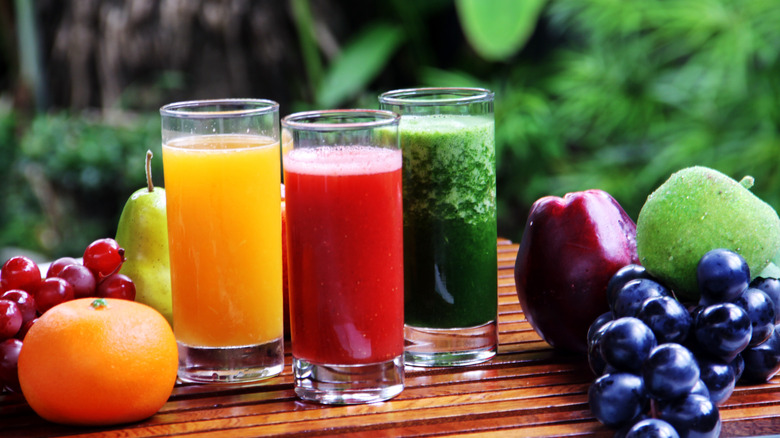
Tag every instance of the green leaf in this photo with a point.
(360, 61)
(434, 77)
(497, 29)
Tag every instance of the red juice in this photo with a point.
(345, 254)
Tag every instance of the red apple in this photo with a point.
(570, 248)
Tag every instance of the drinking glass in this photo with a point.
(449, 190)
(345, 255)
(221, 160)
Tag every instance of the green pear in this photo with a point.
(771, 271)
(143, 233)
(698, 209)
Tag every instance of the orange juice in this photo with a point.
(224, 237)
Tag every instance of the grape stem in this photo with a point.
(653, 408)
(149, 183)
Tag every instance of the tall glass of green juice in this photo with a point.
(449, 206)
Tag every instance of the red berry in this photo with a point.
(53, 291)
(117, 286)
(104, 257)
(20, 273)
(56, 266)
(81, 278)
(24, 301)
(9, 359)
(10, 319)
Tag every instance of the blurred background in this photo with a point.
(608, 94)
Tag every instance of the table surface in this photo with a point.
(528, 389)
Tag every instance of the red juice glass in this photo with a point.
(344, 208)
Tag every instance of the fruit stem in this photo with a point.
(149, 184)
(99, 303)
(653, 409)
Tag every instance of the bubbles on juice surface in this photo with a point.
(340, 160)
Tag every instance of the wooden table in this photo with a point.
(528, 389)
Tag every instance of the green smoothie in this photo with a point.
(449, 197)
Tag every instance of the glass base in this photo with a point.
(348, 384)
(247, 363)
(431, 347)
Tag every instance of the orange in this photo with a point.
(98, 362)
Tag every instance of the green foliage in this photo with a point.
(70, 179)
(7, 140)
(497, 29)
(360, 61)
(17, 207)
(635, 91)
(608, 94)
(345, 81)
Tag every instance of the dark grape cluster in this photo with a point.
(664, 366)
(25, 294)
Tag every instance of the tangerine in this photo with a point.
(98, 362)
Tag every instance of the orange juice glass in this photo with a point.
(222, 167)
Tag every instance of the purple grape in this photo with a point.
(723, 330)
(616, 399)
(738, 364)
(761, 311)
(631, 296)
(719, 377)
(771, 287)
(596, 361)
(669, 320)
(722, 275)
(692, 416)
(626, 343)
(762, 362)
(670, 372)
(620, 278)
(652, 428)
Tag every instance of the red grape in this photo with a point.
(9, 359)
(53, 291)
(10, 319)
(24, 301)
(25, 328)
(81, 278)
(56, 266)
(22, 273)
(104, 257)
(117, 286)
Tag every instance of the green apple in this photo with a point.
(143, 233)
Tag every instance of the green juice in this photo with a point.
(449, 198)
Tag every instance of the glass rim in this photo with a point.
(195, 109)
(380, 118)
(434, 96)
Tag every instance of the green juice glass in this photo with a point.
(449, 204)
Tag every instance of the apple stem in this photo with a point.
(149, 171)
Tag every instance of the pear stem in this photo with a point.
(149, 184)
(747, 182)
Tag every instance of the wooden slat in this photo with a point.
(527, 390)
